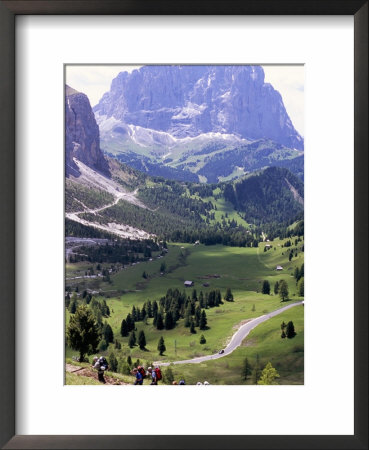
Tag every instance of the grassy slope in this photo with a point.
(286, 355)
(242, 269)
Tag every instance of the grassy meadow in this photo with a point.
(241, 269)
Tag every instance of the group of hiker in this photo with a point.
(139, 372)
(154, 374)
(101, 365)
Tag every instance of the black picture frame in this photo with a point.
(8, 11)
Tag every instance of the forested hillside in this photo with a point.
(231, 213)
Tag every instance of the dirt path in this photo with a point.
(87, 372)
(95, 180)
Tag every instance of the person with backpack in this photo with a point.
(152, 373)
(155, 375)
(139, 377)
(182, 382)
(100, 364)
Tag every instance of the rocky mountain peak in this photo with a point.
(186, 101)
(82, 138)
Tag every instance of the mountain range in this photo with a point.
(172, 120)
(192, 176)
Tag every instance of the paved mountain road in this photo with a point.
(237, 338)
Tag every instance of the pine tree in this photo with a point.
(124, 328)
(132, 339)
(203, 320)
(144, 312)
(159, 322)
(283, 290)
(302, 270)
(67, 301)
(129, 360)
(134, 314)
(290, 330)
(218, 298)
(105, 311)
(169, 323)
(155, 308)
(300, 287)
(138, 315)
(108, 334)
(103, 345)
(149, 309)
(276, 288)
(283, 334)
(266, 287)
(202, 339)
(73, 304)
(246, 369)
(82, 332)
(256, 371)
(253, 307)
(228, 296)
(168, 376)
(161, 346)
(187, 321)
(113, 362)
(141, 340)
(123, 367)
(201, 300)
(197, 315)
(268, 375)
(130, 323)
(192, 327)
(297, 274)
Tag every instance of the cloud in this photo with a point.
(288, 80)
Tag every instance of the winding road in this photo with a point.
(237, 338)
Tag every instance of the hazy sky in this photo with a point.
(94, 81)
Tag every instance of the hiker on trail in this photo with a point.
(154, 380)
(100, 364)
(174, 382)
(155, 375)
(138, 375)
(182, 382)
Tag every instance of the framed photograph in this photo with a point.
(170, 173)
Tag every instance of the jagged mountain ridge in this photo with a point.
(187, 101)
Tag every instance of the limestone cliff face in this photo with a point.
(192, 100)
(82, 139)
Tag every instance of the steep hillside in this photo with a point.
(82, 140)
(131, 204)
(273, 195)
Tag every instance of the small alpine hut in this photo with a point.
(189, 283)
(279, 268)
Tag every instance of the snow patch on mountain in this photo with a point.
(146, 137)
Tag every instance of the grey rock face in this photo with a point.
(191, 100)
(82, 139)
